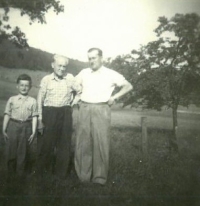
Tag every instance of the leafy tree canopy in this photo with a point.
(34, 9)
(170, 66)
(168, 69)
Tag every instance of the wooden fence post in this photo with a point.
(144, 135)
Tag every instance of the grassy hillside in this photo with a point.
(32, 59)
(10, 75)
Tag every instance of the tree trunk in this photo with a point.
(175, 122)
(173, 139)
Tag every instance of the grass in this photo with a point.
(161, 178)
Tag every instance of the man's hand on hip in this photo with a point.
(111, 101)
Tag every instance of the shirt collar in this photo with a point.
(53, 76)
(99, 70)
(22, 97)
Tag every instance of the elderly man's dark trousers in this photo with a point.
(54, 145)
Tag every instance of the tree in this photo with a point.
(169, 68)
(34, 9)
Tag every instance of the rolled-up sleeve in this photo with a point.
(41, 96)
(118, 79)
(34, 109)
(76, 86)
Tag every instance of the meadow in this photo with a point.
(161, 178)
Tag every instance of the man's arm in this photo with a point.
(77, 86)
(40, 101)
(125, 88)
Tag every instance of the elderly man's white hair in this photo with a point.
(57, 57)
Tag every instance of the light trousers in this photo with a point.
(92, 142)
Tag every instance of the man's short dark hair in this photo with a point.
(24, 77)
(96, 49)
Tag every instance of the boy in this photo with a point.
(19, 126)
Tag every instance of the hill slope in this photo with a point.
(32, 59)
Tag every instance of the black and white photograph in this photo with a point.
(100, 102)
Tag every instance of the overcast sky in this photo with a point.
(115, 26)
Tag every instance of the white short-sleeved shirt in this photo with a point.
(97, 86)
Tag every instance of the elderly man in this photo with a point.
(55, 118)
(92, 140)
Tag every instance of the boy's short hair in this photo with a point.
(24, 77)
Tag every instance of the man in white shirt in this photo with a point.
(92, 140)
